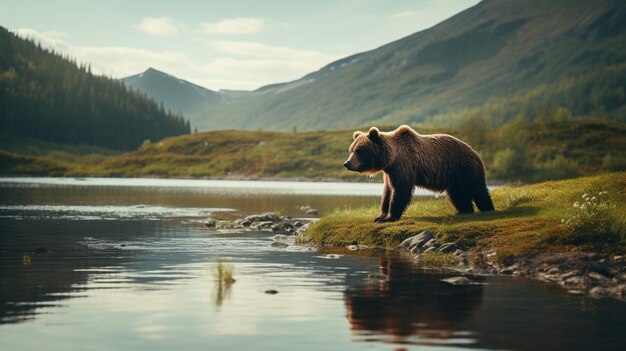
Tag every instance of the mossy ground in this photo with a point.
(528, 219)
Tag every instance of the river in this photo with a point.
(130, 266)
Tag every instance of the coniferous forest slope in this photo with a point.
(499, 59)
(48, 97)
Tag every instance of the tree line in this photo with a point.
(47, 96)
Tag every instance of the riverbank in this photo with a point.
(519, 151)
(571, 232)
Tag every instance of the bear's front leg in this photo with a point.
(400, 199)
(384, 202)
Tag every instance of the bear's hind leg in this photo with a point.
(482, 199)
(460, 199)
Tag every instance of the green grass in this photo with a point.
(527, 219)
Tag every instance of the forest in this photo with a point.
(47, 96)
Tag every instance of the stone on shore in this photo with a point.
(263, 217)
(416, 241)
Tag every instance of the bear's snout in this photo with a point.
(347, 165)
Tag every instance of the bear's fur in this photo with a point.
(436, 162)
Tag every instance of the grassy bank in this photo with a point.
(552, 148)
(550, 216)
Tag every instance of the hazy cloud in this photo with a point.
(258, 50)
(237, 65)
(111, 61)
(157, 26)
(234, 26)
(402, 14)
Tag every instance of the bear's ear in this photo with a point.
(374, 134)
(356, 134)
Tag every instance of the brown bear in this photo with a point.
(436, 162)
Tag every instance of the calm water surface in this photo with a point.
(130, 266)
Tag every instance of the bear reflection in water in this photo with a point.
(405, 302)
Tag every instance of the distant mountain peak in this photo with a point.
(176, 94)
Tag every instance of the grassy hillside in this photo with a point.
(551, 216)
(552, 148)
(497, 59)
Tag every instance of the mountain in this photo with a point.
(499, 59)
(48, 97)
(176, 94)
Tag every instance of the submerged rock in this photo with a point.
(598, 292)
(271, 291)
(210, 223)
(280, 245)
(279, 237)
(457, 280)
(41, 250)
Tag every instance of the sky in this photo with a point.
(234, 44)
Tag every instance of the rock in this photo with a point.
(447, 248)
(263, 225)
(352, 247)
(41, 250)
(302, 229)
(277, 227)
(431, 249)
(271, 291)
(510, 269)
(618, 291)
(264, 217)
(594, 256)
(554, 270)
(288, 226)
(279, 237)
(312, 212)
(210, 223)
(223, 224)
(431, 243)
(595, 276)
(576, 282)
(417, 240)
(576, 292)
(598, 292)
(546, 277)
(459, 253)
(618, 258)
(297, 224)
(415, 250)
(122, 245)
(246, 223)
(279, 245)
(457, 280)
(570, 274)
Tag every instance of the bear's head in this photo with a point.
(367, 153)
